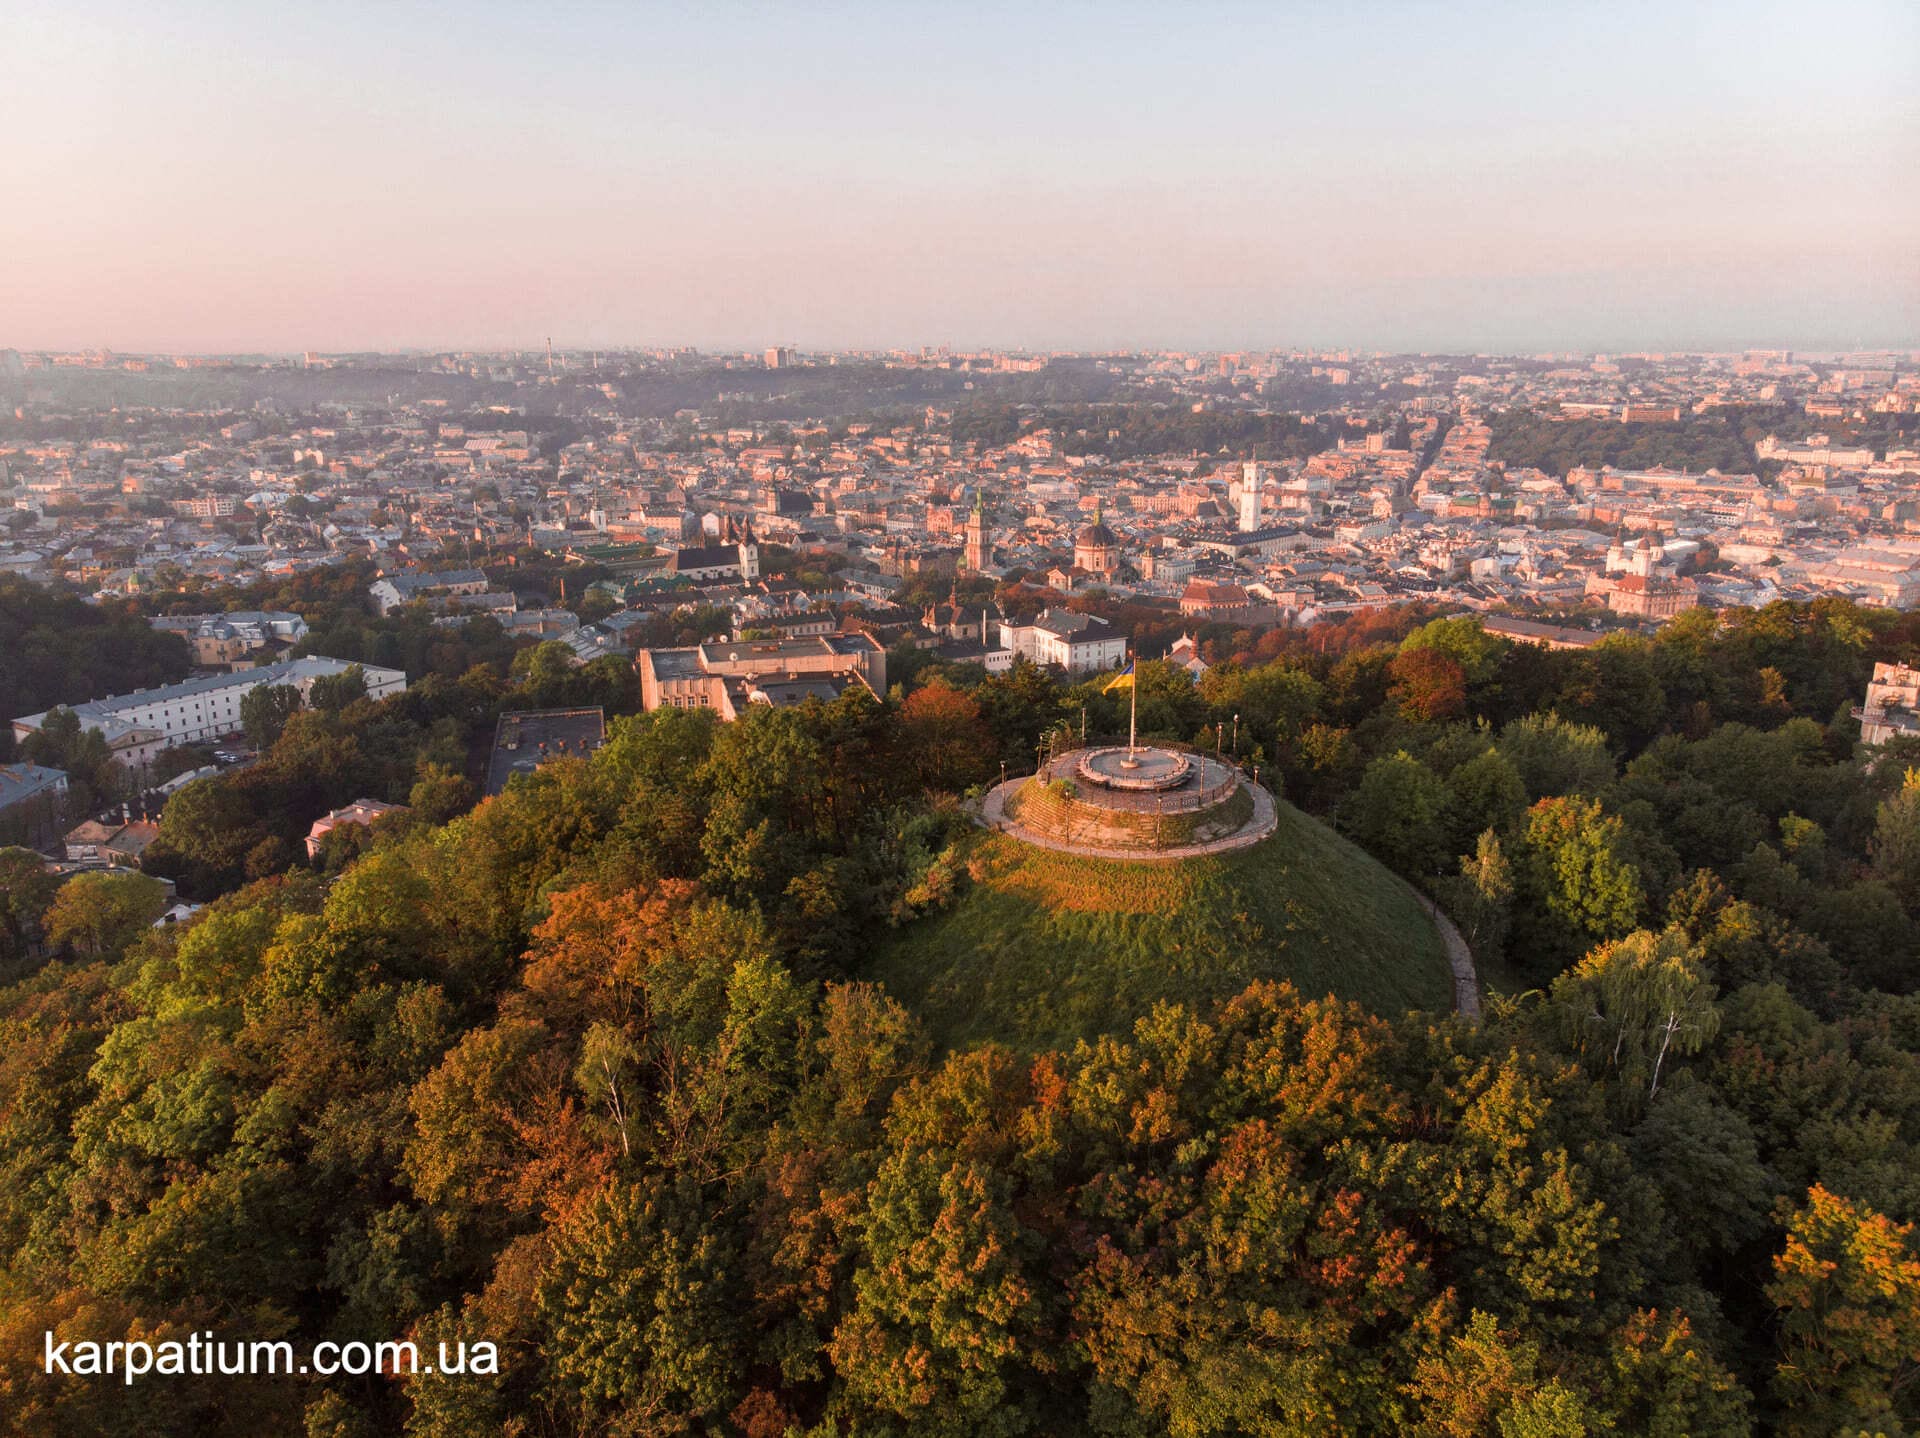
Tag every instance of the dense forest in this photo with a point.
(1722, 439)
(598, 1071)
(1143, 431)
(56, 648)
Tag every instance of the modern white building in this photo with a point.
(139, 725)
(1078, 643)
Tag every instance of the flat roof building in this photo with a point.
(525, 739)
(1893, 704)
(727, 676)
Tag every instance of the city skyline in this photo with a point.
(1487, 179)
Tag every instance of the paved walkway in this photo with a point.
(1466, 983)
(993, 814)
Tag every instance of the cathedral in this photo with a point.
(1096, 549)
(737, 556)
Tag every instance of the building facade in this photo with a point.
(393, 590)
(728, 677)
(139, 725)
(1077, 643)
(1893, 704)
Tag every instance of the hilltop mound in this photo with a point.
(1045, 947)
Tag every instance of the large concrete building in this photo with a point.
(139, 725)
(727, 677)
(525, 739)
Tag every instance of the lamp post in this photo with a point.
(1236, 736)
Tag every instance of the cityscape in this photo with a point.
(894, 722)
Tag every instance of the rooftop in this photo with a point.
(528, 738)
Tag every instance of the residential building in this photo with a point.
(393, 590)
(360, 811)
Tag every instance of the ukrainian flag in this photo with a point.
(1122, 680)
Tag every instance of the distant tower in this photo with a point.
(749, 553)
(977, 556)
(549, 356)
(1250, 482)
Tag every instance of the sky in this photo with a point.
(226, 177)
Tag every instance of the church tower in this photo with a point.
(1251, 480)
(976, 556)
(749, 553)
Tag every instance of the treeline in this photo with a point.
(1141, 430)
(55, 648)
(425, 748)
(1721, 439)
(591, 1071)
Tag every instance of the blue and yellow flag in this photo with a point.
(1122, 680)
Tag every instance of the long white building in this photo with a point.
(1078, 643)
(139, 725)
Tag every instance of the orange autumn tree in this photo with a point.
(1847, 1286)
(943, 737)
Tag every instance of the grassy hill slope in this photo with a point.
(1045, 948)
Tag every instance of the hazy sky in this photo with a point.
(279, 175)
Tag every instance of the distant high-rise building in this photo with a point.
(1251, 481)
(779, 357)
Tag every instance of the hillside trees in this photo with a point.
(590, 1069)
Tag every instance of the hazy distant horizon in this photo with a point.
(210, 177)
(753, 350)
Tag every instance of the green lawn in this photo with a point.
(1045, 948)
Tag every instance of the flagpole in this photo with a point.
(1133, 708)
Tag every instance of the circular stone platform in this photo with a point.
(1140, 768)
(1165, 805)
